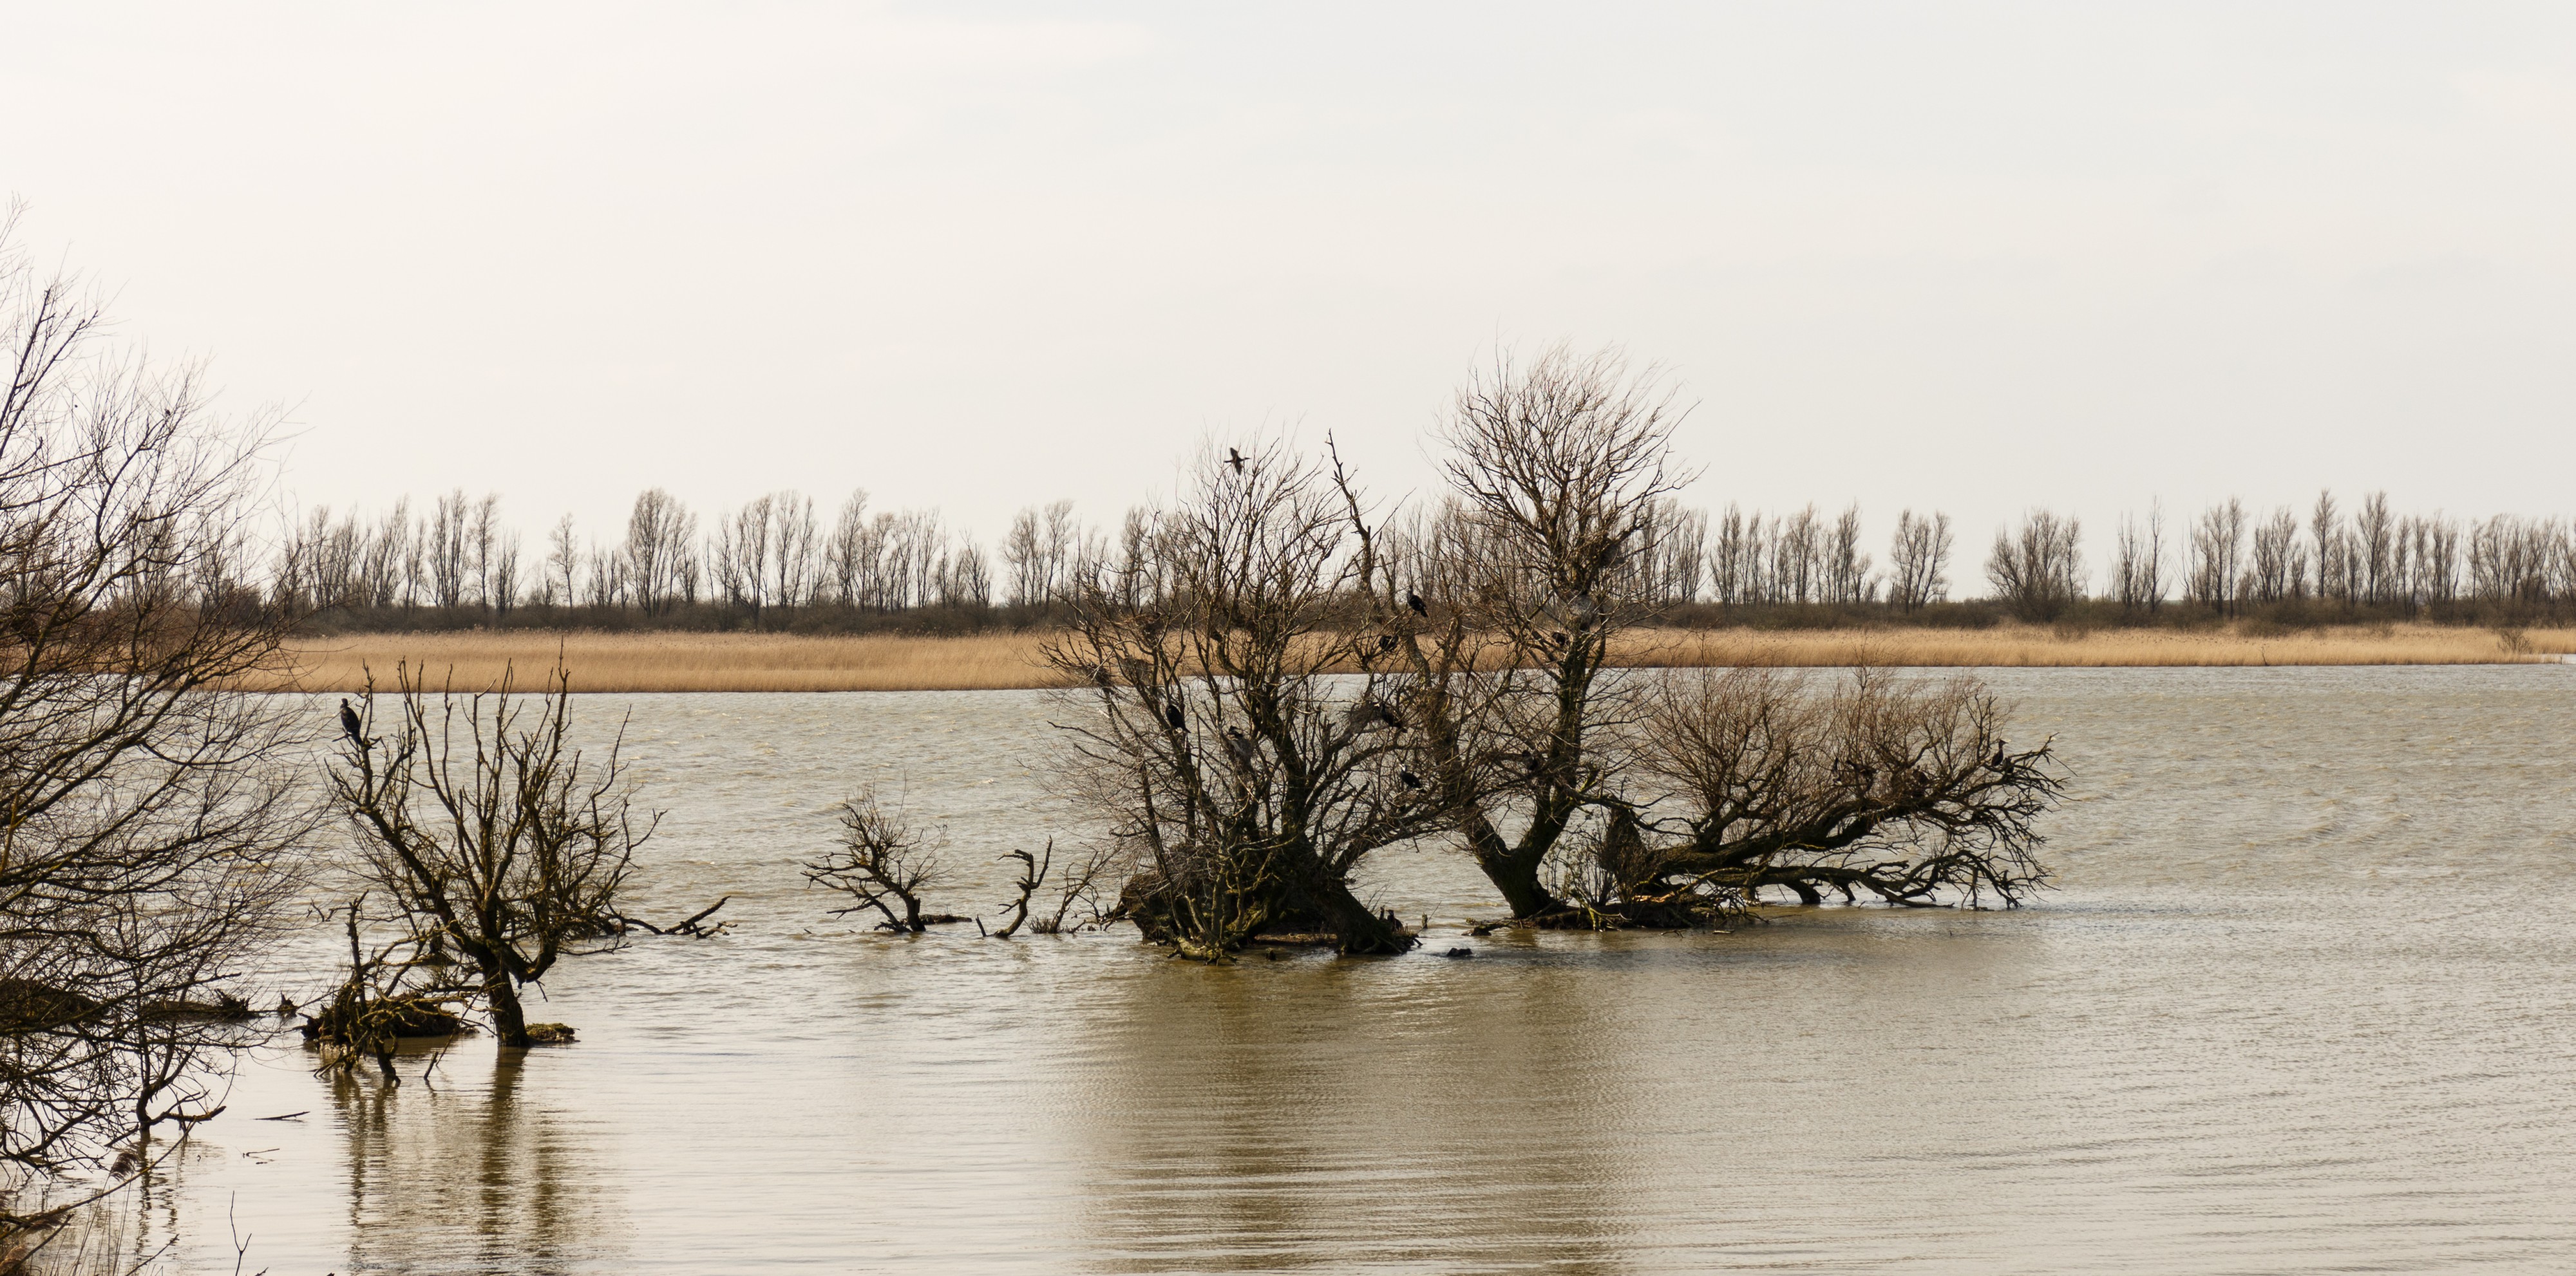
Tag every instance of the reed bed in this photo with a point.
(2025, 646)
(673, 661)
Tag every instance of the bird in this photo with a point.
(1998, 762)
(1414, 601)
(349, 723)
(1557, 637)
(1459, 953)
(1172, 714)
(1388, 716)
(1234, 459)
(1385, 643)
(1411, 781)
(1245, 749)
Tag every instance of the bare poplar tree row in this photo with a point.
(775, 553)
(2372, 557)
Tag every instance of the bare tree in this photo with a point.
(1846, 573)
(2138, 563)
(1555, 465)
(2280, 563)
(883, 863)
(1918, 560)
(150, 827)
(1210, 733)
(660, 554)
(563, 561)
(1900, 790)
(2040, 571)
(2217, 556)
(496, 837)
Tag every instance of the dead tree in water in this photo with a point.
(1209, 731)
(1556, 468)
(1905, 792)
(498, 840)
(883, 862)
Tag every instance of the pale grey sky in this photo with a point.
(1961, 256)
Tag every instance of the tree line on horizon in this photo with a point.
(776, 562)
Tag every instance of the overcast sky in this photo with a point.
(1958, 256)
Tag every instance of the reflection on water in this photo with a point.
(470, 1169)
(2303, 1004)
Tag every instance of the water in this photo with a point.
(2302, 1004)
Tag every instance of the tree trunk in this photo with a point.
(1514, 872)
(509, 1022)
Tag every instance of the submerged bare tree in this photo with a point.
(1562, 775)
(882, 863)
(1899, 790)
(149, 831)
(1209, 733)
(1556, 466)
(497, 839)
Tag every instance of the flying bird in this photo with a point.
(1414, 601)
(349, 723)
(1234, 459)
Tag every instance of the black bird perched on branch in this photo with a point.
(1172, 714)
(1388, 716)
(1385, 643)
(1411, 781)
(349, 723)
(1998, 762)
(1234, 459)
(1414, 601)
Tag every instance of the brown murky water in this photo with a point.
(2303, 1004)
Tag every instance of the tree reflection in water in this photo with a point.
(462, 1164)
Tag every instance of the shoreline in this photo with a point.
(669, 661)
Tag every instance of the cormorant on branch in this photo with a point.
(1411, 781)
(1234, 459)
(1172, 714)
(1998, 763)
(1414, 601)
(349, 723)
(1385, 643)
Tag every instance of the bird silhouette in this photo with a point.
(1172, 714)
(1234, 459)
(349, 723)
(1385, 643)
(1411, 781)
(1998, 762)
(1414, 601)
(1388, 716)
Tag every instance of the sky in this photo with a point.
(1966, 257)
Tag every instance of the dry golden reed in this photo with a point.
(668, 661)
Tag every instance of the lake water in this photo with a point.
(2302, 1003)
